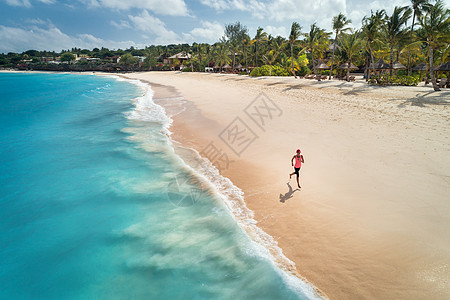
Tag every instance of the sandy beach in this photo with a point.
(372, 218)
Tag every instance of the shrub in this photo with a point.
(186, 69)
(394, 80)
(303, 71)
(243, 73)
(327, 72)
(265, 71)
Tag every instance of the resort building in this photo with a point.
(182, 57)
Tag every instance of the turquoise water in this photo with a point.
(96, 205)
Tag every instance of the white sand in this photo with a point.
(372, 220)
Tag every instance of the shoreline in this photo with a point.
(165, 95)
(319, 229)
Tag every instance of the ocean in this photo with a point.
(96, 204)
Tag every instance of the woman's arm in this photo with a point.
(303, 160)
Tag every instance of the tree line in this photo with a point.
(410, 35)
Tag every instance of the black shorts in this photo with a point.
(297, 171)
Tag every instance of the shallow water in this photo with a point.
(95, 204)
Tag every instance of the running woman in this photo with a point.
(298, 164)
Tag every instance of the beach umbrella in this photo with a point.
(227, 66)
(444, 67)
(346, 66)
(322, 66)
(421, 67)
(397, 66)
(380, 65)
(239, 66)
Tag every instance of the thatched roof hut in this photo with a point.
(346, 66)
(322, 66)
(380, 65)
(421, 67)
(397, 66)
(444, 67)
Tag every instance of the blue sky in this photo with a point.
(57, 25)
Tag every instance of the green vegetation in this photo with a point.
(394, 80)
(128, 60)
(66, 57)
(410, 35)
(268, 70)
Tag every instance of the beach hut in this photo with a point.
(445, 68)
(238, 67)
(346, 66)
(322, 66)
(398, 66)
(421, 67)
(226, 67)
(380, 65)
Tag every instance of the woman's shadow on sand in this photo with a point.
(289, 193)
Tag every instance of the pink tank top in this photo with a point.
(298, 161)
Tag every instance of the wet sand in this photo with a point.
(372, 218)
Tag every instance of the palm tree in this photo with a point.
(293, 37)
(351, 45)
(260, 37)
(246, 42)
(394, 29)
(339, 23)
(418, 6)
(371, 31)
(221, 52)
(436, 29)
(315, 42)
(199, 54)
(271, 56)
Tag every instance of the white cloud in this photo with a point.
(24, 3)
(121, 24)
(276, 31)
(305, 12)
(216, 4)
(150, 24)
(37, 21)
(27, 3)
(209, 32)
(16, 39)
(163, 7)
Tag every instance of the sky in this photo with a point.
(57, 25)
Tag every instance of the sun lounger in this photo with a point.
(443, 82)
(352, 78)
